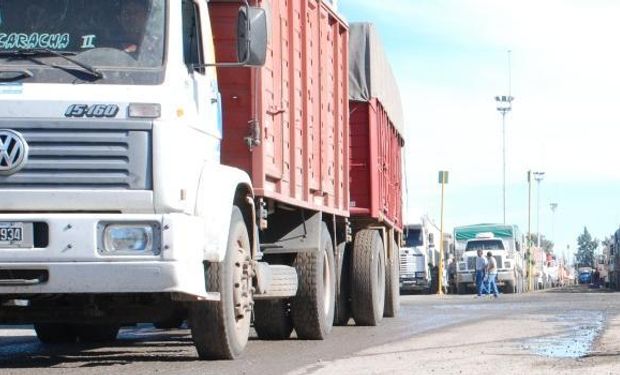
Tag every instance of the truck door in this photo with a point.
(197, 49)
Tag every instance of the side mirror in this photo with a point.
(252, 36)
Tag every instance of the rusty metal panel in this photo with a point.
(299, 101)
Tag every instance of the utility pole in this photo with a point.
(538, 176)
(443, 180)
(529, 229)
(504, 105)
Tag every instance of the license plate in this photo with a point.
(15, 235)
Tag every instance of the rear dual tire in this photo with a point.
(313, 307)
(392, 286)
(272, 320)
(368, 278)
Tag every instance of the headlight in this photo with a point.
(419, 274)
(129, 239)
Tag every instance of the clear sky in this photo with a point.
(450, 58)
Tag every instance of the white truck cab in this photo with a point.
(415, 256)
(115, 208)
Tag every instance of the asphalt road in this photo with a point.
(567, 330)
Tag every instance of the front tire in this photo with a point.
(509, 287)
(220, 330)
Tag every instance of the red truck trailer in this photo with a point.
(376, 128)
(287, 124)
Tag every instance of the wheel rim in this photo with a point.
(242, 283)
(326, 283)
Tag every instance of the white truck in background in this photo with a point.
(419, 251)
(504, 242)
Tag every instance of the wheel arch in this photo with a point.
(214, 204)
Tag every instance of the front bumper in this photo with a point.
(411, 283)
(73, 262)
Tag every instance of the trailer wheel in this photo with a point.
(313, 306)
(96, 333)
(392, 286)
(343, 305)
(272, 320)
(220, 330)
(55, 333)
(368, 275)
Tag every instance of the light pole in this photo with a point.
(529, 229)
(443, 180)
(538, 176)
(504, 105)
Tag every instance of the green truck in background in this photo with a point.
(505, 243)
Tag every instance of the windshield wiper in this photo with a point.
(34, 52)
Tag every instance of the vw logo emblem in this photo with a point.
(13, 152)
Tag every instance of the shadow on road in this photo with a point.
(33, 354)
(579, 289)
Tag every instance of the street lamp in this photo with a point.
(504, 105)
(538, 176)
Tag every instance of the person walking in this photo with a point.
(481, 266)
(492, 274)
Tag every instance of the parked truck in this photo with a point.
(614, 261)
(418, 254)
(504, 242)
(163, 160)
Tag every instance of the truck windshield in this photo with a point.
(413, 238)
(104, 33)
(484, 245)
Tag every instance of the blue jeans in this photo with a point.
(479, 278)
(493, 284)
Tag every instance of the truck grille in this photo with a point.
(407, 264)
(75, 158)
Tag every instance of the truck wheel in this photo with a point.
(368, 275)
(460, 288)
(96, 333)
(343, 305)
(272, 320)
(313, 306)
(55, 333)
(220, 330)
(509, 287)
(392, 287)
